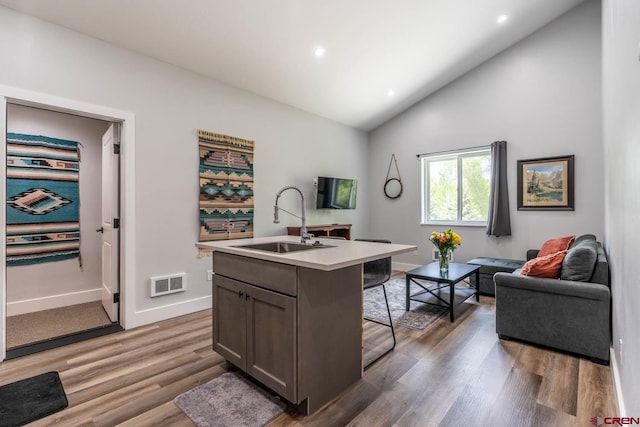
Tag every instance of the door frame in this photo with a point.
(127, 253)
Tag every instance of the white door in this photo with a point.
(110, 217)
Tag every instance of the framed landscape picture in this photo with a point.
(546, 184)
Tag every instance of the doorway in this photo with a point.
(54, 268)
(127, 255)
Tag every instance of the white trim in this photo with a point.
(156, 314)
(452, 153)
(3, 231)
(478, 224)
(127, 194)
(622, 410)
(55, 301)
(425, 165)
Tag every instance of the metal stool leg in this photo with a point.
(393, 333)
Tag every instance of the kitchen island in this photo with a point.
(293, 320)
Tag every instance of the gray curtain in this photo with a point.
(499, 223)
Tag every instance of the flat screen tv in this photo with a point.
(336, 193)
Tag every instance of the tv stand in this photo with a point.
(334, 230)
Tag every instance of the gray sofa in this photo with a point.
(570, 314)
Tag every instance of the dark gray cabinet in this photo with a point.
(230, 320)
(271, 340)
(296, 330)
(255, 329)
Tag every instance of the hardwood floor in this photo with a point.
(452, 374)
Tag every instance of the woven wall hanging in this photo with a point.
(226, 187)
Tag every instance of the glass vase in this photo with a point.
(444, 262)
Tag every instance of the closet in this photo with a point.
(54, 244)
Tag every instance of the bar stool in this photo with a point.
(377, 273)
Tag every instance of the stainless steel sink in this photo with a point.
(282, 247)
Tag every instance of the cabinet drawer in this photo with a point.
(270, 275)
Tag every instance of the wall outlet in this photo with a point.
(435, 255)
(209, 275)
(620, 347)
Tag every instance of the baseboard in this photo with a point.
(164, 312)
(401, 266)
(55, 301)
(622, 410)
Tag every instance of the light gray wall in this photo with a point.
(170, 105)
(621, 88)
(543, 97)
(55, 284)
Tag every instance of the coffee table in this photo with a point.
(444, 293)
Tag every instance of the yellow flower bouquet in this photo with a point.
(445, 241)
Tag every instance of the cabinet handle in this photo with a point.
(240, 294)
(247, 297)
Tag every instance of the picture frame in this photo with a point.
(546, 184)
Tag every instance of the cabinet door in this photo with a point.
(230, 320)
(271, 341)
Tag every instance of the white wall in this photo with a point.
(621, 88)
(56, 284)
(170, 105)
(543, 97)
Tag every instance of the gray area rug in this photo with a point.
(420, 316)
(229, 400)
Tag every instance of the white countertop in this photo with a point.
(343, 253)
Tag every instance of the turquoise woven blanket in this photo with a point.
(43, 215)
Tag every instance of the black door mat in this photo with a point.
(30, 399)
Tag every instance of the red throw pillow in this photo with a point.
(548, 266)
(556, 245)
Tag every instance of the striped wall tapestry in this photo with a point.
(43, 223)
(226, 187)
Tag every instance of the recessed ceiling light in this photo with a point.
(502, 19)
(319, 52)
(391, 93)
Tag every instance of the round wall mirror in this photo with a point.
(393, 188)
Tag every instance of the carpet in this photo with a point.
(229, 400)
(42, 199)
(28, 400)
(420, 316)
(46, 324)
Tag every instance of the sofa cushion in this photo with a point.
(582, 238)
(580, 261)
(491, 266)
(556, 245)
(545, 266)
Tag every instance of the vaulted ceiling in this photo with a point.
(358, 62)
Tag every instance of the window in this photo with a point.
(455, 187)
